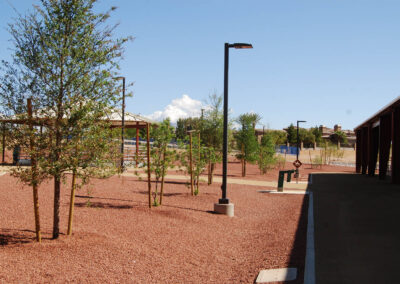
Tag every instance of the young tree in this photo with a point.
(278, 137)
(291, 134)
(339, 136)
(212, 132)
(91, 151)
(306, 136)
(162, 157)
(180, 131)
(63, 54)
(194, 160)
(266, 157)
(317, 134)
(247, 141)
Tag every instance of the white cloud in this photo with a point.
(179, 108)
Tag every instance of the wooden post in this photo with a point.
(243, 173)
(209, 166)
(396, 146)
(71, 203)
(364, 150)
(191, 163)
(198, 178)
(373, 149)
(384, 144)
(163, 172)
(4, 142)
(358, 150)
(148, 163)
(162, 177)
(34, 174)
(137, 143)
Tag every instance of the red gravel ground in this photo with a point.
(119, 239)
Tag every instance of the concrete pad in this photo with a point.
(284, 192)
(225, 209)
(277, 275)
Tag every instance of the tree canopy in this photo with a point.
(65, 58)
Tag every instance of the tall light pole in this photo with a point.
(224, 199)
(123, 120)
(298, 141)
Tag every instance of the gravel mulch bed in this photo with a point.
(119, 239)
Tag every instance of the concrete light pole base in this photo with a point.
(225, 209)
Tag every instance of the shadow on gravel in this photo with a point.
(104, 205)
(14, 237)
(167, 181)
(186, 208)
(108, 198)
(298, 253)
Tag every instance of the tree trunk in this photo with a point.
(56, 217)
(71, 203)
(57, 188)
(34, 174)
(244, 172)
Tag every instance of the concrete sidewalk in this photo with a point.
(357, 233)
(291, 185)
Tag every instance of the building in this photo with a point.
(328, 132)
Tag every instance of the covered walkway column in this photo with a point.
(364, 150)
(373, 149)
(358, 151)
(385, 137)
(396, 146)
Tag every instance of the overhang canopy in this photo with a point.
(374, 120)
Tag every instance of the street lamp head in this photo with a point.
(240, 45)
(119, 78)
(301, 121)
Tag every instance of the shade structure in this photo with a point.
(375, 137)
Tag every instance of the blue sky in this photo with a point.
(326, 62)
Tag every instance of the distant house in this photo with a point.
(327, 133)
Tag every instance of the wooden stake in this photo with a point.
(191, 164)
(34, 175)
(198, 162)
(162, 178)
(71, 203)
(148, 164)
(243, 170)
(209, 167)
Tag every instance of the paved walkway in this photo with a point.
(357, 232)
(291, 185)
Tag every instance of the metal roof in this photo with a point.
(379, 113)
